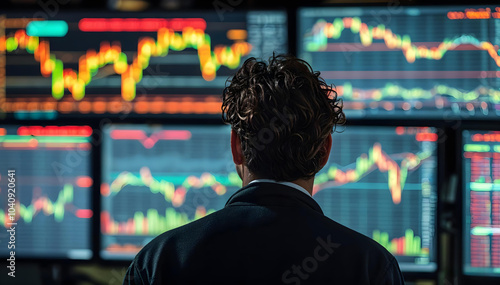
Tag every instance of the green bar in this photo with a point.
(408, 242)
(418, 248)
(15, 139)
(11, 44)
(58, 80)
(376, 236)
(53, 28)
(138, 220)
(483, 231)
(496, 148)
(477, 147)
(61, 139)
(384, 239)
(477, 186)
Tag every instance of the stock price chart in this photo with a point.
(156, 178)
(147, 64)
(53, 191)
(381, 182)
(436, 62)
(481, 177)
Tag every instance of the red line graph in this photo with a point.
(375, 160)
(150, 141)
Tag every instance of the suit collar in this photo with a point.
(265, 193)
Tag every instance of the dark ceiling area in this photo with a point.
(145, 5)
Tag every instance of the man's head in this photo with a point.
(282, 115)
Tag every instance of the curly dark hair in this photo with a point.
(282, 112)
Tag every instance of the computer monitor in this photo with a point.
(481, 202)
(147, 64)
(406, 62)
(45, 201)
(156, 178)
(382, 182)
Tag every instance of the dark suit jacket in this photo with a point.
(267, 233)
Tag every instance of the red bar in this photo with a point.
(84, 181)
(84, 213)
(105, 189)
(127, 135)
(175, 135)
(139, 25)
(105, 222)
(489, 137)
(55, 131)
(426, 137)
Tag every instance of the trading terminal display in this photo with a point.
(481, 178)
(143, 64)
(407, 62)
(382, 182)
(156, 178)
(50, 212)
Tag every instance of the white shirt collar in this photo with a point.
(290, 184)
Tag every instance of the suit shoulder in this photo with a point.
(186, 234)
(361, 241)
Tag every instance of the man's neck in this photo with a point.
(308, 184)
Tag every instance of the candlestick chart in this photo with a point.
(146, 64)
(381, 181)
(51, 210)
(481, 181)
(388, 64)
(159, 179)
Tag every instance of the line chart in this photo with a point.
(381, 181)
(156, 178)
(376, 159)
(322, 31)
(141, 63)
(174, 195)
(390, 90)
(53, 201)
(131, 74)
(47, 207)
(403, 66)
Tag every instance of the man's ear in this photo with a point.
(327, 147)
(238, 157)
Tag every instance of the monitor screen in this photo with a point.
(407, 62)
(481, 185)
(381, 182)
(45, 187)
(156, 178)
(133, 63)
